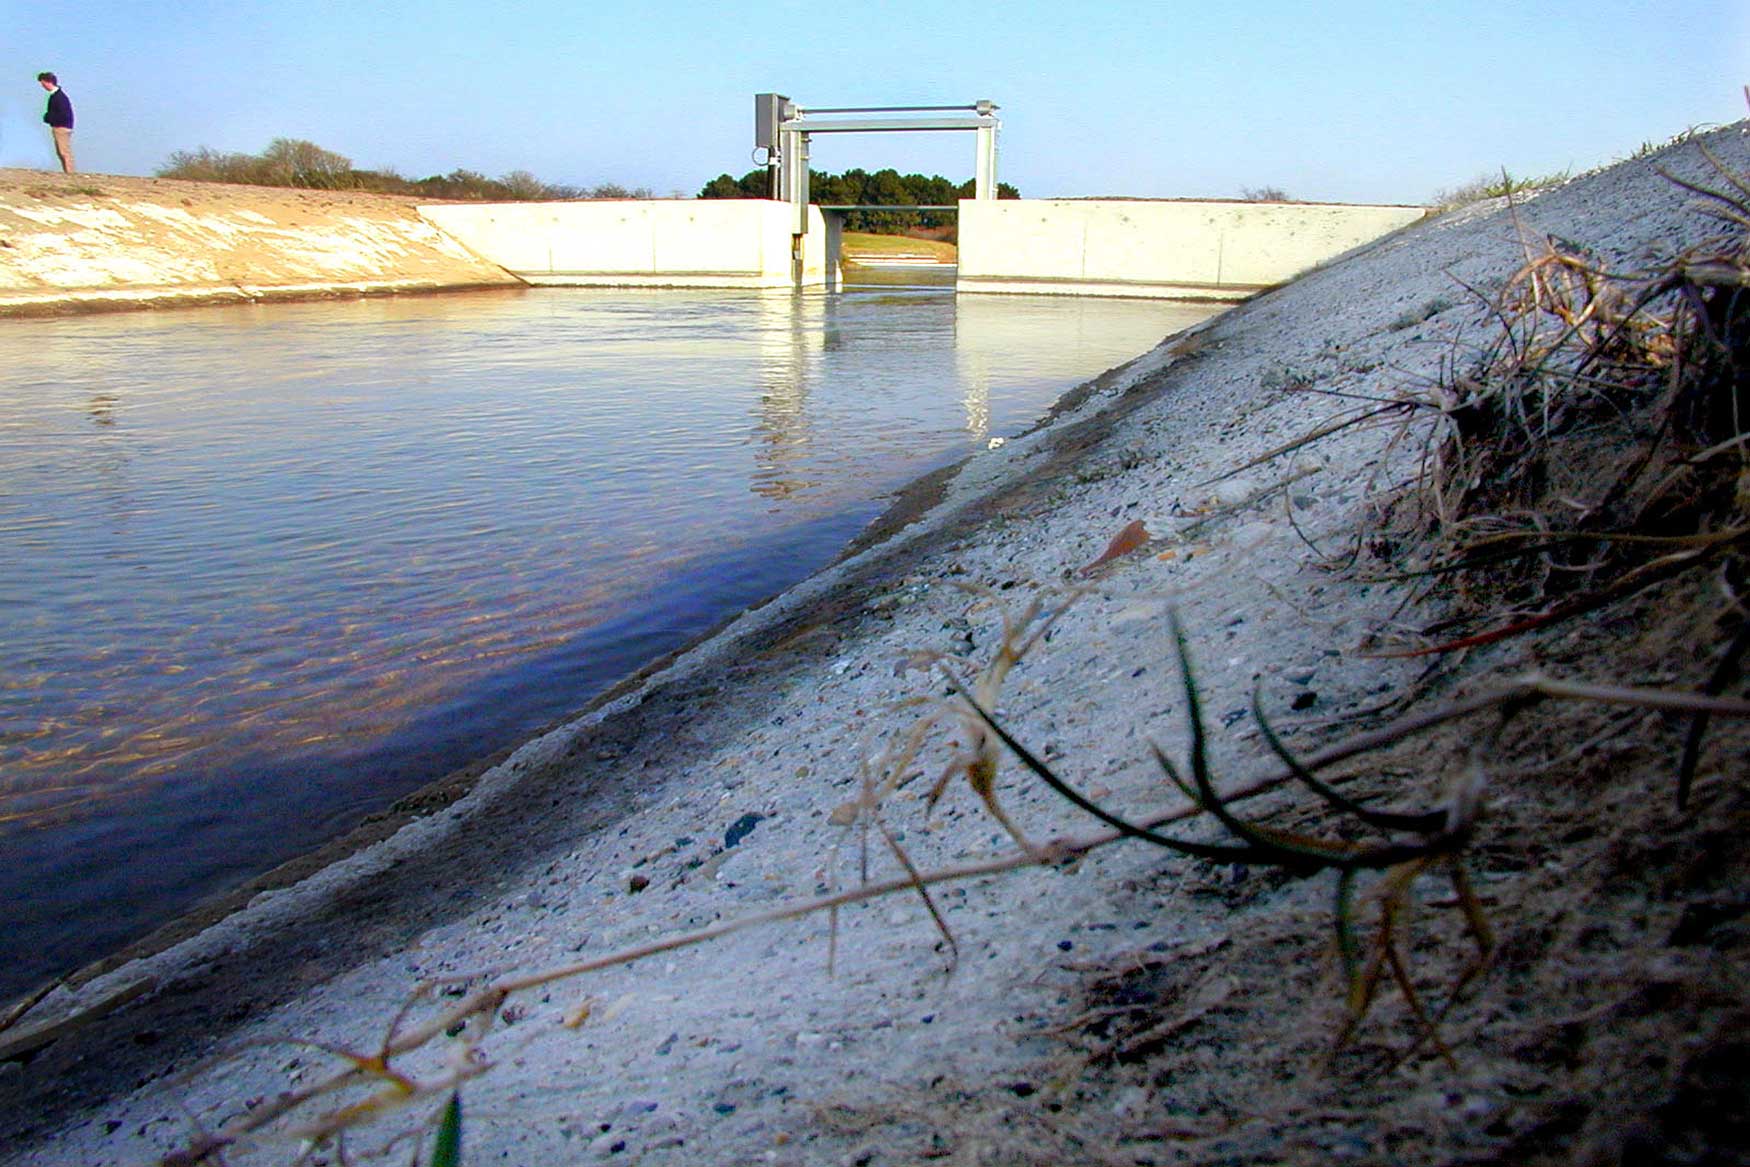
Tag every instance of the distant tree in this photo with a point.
(520, 184)
(206, 165)
(461, 184)
(755, 184)
(295, 162)
(1004, 191)
(384, 181)
(613, 190)
(1265, 194)
(887, 189)
(859, 188)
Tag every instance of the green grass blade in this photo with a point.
(446, 1151)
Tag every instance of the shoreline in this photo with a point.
(911, 502)
(102, 242)
(710, 791)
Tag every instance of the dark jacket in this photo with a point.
(60, 111)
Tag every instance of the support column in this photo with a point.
(793, 175)
(835, 237)
(984, 183)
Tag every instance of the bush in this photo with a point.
(295, 162)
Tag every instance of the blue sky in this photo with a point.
(1357, 100)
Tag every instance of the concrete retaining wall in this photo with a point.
(716, 243)
(1178, 250)
(85, 241)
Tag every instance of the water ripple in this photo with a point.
(263, 569)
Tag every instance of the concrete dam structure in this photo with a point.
(109, 241)
(1177, 249)
(1169, 249)
(674, 243)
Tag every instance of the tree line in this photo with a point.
(294, 162)
(860, 188)
(298, 163)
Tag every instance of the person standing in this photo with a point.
(59, 116)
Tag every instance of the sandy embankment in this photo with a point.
(1614, 1012)
(86, 242)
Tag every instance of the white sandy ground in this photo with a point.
(744, 1050)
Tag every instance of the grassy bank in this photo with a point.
(863, 247)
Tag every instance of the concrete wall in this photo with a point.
(1168, 249)
(104, 241)
(703, 243)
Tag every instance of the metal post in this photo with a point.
(793, 175)
(984, 183)
(799, 175)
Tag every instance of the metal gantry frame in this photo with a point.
(782, 128)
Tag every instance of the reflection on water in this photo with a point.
(264, 569)
(898, 275)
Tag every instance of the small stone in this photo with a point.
(607, 1144)
(1232, 491)
(1132, 1104)
(1304, 700)
(741, 828)
(1065, 945)
(637, 883)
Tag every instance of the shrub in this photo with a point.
(295, 162)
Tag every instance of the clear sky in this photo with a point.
(1358, 100)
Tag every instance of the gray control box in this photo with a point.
(769, 110)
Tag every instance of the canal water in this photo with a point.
(265, 569)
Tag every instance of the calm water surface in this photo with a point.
(262, 570)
